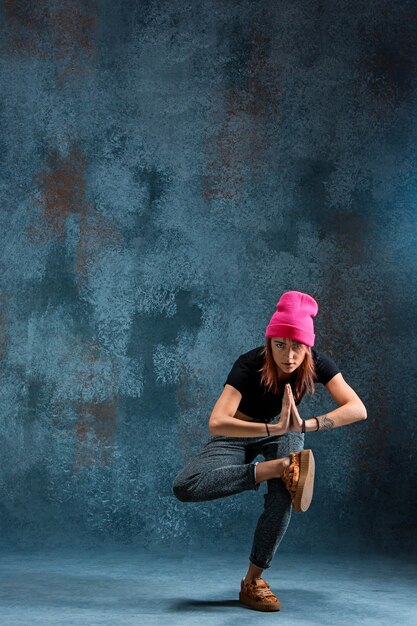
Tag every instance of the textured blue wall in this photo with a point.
(168, 170)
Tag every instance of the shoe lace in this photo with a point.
(292, 473)
(261, 588)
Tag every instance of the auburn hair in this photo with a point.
(306, 373)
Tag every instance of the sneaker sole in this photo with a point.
(258, 604)
(305, 486)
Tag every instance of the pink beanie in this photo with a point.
(293, 318)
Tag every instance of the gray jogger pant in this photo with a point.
(223, 467)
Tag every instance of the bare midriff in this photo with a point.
(242, 416)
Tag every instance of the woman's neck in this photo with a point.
(286, 378)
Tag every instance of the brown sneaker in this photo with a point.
(298, 478)
(258, 595)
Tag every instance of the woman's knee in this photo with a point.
(179, 492)
(181, 489)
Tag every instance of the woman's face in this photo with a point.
(288, 354)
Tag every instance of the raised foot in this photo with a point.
(298, 478)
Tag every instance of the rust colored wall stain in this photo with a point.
(95, 428)
(62, 31)
(235, 146)
(63, 191)
(96, 233)
(96, 423)
(62, 185)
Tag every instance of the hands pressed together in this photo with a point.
(289, 418)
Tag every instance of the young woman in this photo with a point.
(265, 382)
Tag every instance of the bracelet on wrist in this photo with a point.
(303, 427)
(318, 425)
(267, 429)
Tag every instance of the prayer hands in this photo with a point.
(296, 423)
(284, 422)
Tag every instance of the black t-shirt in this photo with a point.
(258, 402)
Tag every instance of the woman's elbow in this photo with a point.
(212, 427)
(363, 412)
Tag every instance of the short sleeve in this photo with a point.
(326, 368)
(239, 376)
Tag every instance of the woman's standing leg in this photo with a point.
(221, 468)
(273, 522)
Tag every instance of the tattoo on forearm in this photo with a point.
(325, 422)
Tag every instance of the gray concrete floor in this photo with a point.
(130, 586)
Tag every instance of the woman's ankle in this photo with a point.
(284, 462)
(253, 572)
(265, 470)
